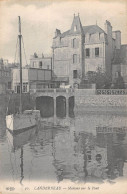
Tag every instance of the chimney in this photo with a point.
(117, 36)
(57, 33)
(108, 28)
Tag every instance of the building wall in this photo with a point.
(116, 68)
(64, 50)
(41, 62)
(31, 78)
(120, 69)
(117, 36)
(124, 72)
(108, 48)
(39, 74)
(92, 63)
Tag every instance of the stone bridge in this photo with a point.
(55, 94)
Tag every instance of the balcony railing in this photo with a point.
(111, 91)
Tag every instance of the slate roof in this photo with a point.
(86, 29)
(65, 33)
(92, 29)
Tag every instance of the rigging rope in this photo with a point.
(16, 51)
(24, 51)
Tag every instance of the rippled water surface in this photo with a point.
(86, 148)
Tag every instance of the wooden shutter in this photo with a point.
(100, 52)
(93, 52)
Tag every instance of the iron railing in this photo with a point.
(111, 91)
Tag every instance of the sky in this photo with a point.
(40, 18)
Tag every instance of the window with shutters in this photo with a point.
(34, 64)
(24, 87)
(87, 52)
(75, 74)
(74, 58)
(40, 64)
(97, 52)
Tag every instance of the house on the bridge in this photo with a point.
(32, 79)
(82, 50)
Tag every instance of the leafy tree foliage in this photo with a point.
(101, 79)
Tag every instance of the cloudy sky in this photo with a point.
(40, 19)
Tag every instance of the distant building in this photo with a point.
(41, 61)
(5, 77)
(83, 49)
(32, 78)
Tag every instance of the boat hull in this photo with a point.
(20, 122)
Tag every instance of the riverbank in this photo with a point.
(91, 102)
(98, 110)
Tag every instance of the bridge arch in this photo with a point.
(60, 106)
(71, 104)
(46, 105)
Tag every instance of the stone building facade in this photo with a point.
(84, 49)
(40, 61)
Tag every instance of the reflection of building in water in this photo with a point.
(64, 156)
(113, 140)
(95, 158)
(76, 156)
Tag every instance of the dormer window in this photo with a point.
(75, 28)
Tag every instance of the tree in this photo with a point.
(101, 79)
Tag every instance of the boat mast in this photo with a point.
(20, 58)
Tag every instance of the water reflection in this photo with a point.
(17, 141)
(86, 148)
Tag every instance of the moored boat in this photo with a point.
(22, 120)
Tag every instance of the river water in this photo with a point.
(84, 148)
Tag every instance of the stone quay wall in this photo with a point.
(88, 100)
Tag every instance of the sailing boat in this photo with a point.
(29, 118)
